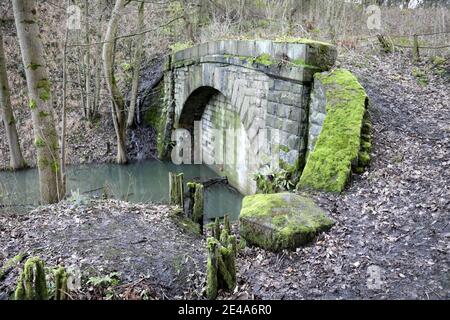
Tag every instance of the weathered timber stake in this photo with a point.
(416, 53)
(216, 229)
(211, 280)
(385, 43)
(61, 284)
(31, 284)
(197, 202)
(176, 189)
(226, 225)
(221, 260)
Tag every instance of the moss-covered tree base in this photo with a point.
(281, 221)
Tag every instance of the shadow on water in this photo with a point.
(141, 182)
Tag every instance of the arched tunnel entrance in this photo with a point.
(218, 137)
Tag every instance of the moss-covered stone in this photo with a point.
(338, 147)
(265, 59)
(180, 46)
(281, 221)
(326, 53)
(311, 42)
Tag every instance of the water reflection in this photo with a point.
(138, 183)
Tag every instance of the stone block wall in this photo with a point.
(317, 113)
(226, 84)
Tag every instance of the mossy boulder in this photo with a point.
(344, 140)
(281, 221)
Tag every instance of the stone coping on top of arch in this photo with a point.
(264, 54)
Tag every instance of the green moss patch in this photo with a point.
(180, 46)
(186, 224)
(311, 42)
(281, 221)
(325, 56)
(44, 85)
(33, 104)
(156, 115)
(154, 110)
(339, 146)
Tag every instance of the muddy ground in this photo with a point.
(140, 245)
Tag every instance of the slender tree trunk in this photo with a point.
(87, 64)
(16, 160)
(98, 79)
(98, 58)
(136, 67)
(64, 111)
(118, 103)
(203, 14)
(187, 22)
(80, 70)
(39, 92)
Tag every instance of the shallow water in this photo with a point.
(140, 182)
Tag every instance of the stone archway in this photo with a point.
(266, 85)
(219, 137)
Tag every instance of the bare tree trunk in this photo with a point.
(187, 22)
(118, 103)
(81, 77)
(203, 14)
(16, 160)
(98, 65)
(87, 64)
(137, 66)
(39, 91)
(64, 111)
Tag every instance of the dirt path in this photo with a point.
(392, 238)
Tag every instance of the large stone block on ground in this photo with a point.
(281, 221)
(339, 135)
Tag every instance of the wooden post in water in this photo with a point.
(197, 202)
(416, 53)
(176, 189)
